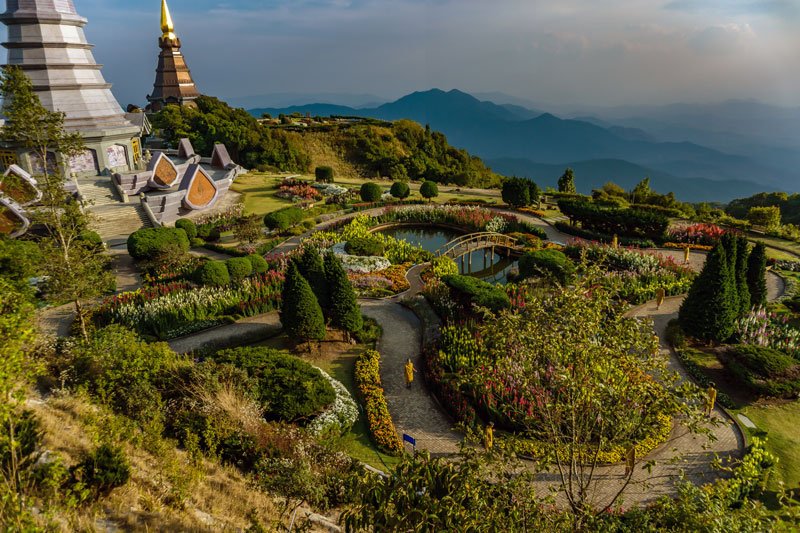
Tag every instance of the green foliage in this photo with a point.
(213, 273)
(566, 183)
(249, 142)
(91, 239)
(239, 268)
(324, 174)
(103, 470)
(288, 388)
(731, 244)
(188, 226)
(345, 311)
(742, 288)
(550, 264)
(312, 268)
(710, 309)
(208, 232)
(371, 192)
(520, 192)
(20, 260)
(400, 190)
(764, 361)
(615, 221)
(479, 292)
(301, 314)
(429, 190)
(757, 275)
(365, 246)
(443, 266)
(156, 243)
(284, 219)
(258, 264)
(767, 217)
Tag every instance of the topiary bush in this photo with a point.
(550, 264)
(208, 233)
(479, 292)
(188, 226)
(103, 470)
(239, 268)
(289, 388)
(154, 243)
(258, 263)
(429, 190)
(324, 174)
(364, 246)
(213, 273)
(400, 190)
(283, 219)
(371, 192)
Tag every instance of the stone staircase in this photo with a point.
(113, 219)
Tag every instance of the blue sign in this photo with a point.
(409, 439)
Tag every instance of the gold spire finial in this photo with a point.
(166, 22)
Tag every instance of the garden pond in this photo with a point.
(480, 264)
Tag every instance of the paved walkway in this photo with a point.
(246, 331)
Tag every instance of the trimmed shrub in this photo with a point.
(289, 388)
(197, 243)
(214, 273)
(103, 470)
(757, 275)
(516, 192)
(615, 221)
(258, 263)
(91, 238)
(283, 219)
(300, 313)
(709, 311)
(364, 246)
(312, 268)
(324, 174)
(429, 190)
(590, 235)
(345, 311)
(154, 243)
(371, 192)
(400, 190)
(479, 292)
(188, 226)
(550, 264)
(764, 361)
(239, 268)
(208, 233)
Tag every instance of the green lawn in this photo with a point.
(778, 248)
(782, 426)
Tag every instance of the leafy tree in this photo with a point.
(757, 275)
(248, 229)
(300, 313)
(429, 190)
(709, 311)
(345, 312)
(516, 192)
(534, 192)
(324, 174)
(767, 217)
(312, 267)
(642, 192)
(400, 190)
(188, 226)
(742, 289)
(566, 183)
(371, 192)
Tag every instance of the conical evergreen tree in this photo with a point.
(345, 312)
(731, 244)
(742, 255)
(757, 275)
(300, 313)
(313, 269)
(709, 313)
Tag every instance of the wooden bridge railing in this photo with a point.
(477, 241)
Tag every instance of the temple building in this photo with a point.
(46, 39)
(174, 83)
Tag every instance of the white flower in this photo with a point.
(342, 413)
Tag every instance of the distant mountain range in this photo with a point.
(517, 140)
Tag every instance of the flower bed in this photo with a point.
(472, 219)
(340, 416)
(299, 192)
(370, 388)
(387, 282)
(691, 246)
(165, 311)
(703, 234)
(761, 328)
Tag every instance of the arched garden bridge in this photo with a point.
(489, 242)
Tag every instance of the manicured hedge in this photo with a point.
(258, 263)
(364, 246)
(284, 219)
(152, 243)
(764, 361)
(767, 371)
(400, 189)
(629, 222)
(370, 389)
(547, 263)
(289, 388)
(479, 292)
(371, 192)
(188, 226)
(239, 268)
(213, 273)
(590, 235)
(324, 174)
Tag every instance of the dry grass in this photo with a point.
(169, 490)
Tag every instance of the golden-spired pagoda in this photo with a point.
(174, 83)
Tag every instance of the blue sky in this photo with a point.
(581, 52)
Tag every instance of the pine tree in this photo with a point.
(345, 312)
(313, 269)
(301, 314)
(708, 313)
(731, 244)
(743, 254)
(757, 275)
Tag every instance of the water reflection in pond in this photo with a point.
(480, 264)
